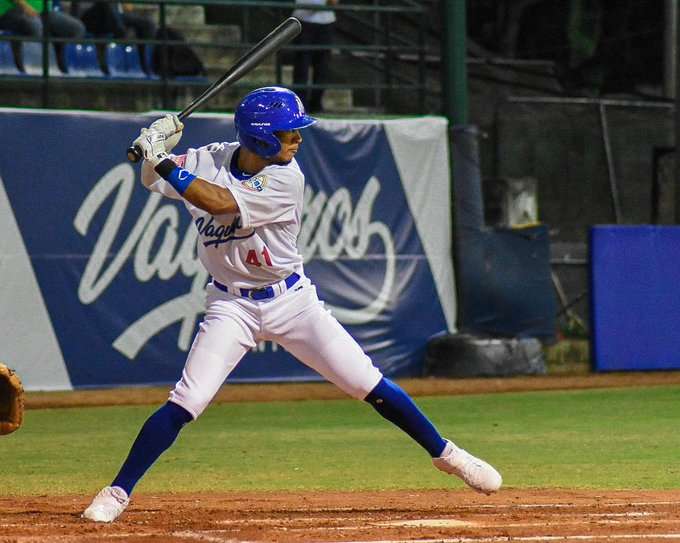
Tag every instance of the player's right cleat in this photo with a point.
(476, 473)
(107, 505)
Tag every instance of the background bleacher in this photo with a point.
(374, 66)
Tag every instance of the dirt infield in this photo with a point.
(427, 516)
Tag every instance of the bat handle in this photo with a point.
(134, 154)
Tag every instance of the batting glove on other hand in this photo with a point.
(152, 145)
(171, 127)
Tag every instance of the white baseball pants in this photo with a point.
(296, 320)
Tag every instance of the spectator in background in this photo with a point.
(120, 21)
(117, 20)
(23, 17)
(317, 29)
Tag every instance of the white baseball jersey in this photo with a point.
(257, 246)
(252, 249)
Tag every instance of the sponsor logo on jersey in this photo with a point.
(257, 183)
(219, 233)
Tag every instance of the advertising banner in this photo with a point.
(100, 281)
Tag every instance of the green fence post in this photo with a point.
(455, 106)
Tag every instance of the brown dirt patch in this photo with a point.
(326, 391)
(439, 515)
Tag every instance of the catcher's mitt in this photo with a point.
(11, 401)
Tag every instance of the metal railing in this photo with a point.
(383, 57)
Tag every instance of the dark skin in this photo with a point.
(218, 200)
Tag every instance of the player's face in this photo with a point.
(290, 144)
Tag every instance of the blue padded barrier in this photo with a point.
(635, 297)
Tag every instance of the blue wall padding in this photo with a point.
(635, 297)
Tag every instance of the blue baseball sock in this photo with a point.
(158, 433)
(392, 402)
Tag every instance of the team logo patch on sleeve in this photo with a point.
(258, 183)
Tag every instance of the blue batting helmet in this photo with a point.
(265, 111)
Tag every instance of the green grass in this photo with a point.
(608, 439)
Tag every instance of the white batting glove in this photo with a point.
(171, 127)
(152, 145)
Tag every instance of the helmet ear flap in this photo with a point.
(264, 145)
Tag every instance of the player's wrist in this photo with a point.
(157, 158)
(178, 177)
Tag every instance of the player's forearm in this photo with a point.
(212, 198)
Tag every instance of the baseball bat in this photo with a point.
(271, 43)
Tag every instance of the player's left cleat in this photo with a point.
(476, 473)
(107, 505)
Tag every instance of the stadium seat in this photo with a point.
(8, 65)
(81, 60)
(148, 59)
(123, 61)
(32, 59)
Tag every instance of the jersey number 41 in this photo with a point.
(253, 260)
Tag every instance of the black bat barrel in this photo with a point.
(271, 43)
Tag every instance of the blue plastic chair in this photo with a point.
(32, 58)
(81, 60)
(8, 65)
(123, 61)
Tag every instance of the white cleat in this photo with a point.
(476, 473)
(107, 505)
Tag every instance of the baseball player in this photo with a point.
(245, 199)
